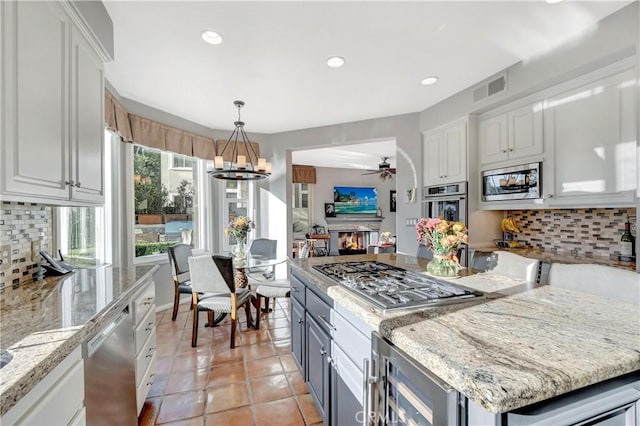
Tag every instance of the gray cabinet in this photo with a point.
(298, 347)
(318, 374)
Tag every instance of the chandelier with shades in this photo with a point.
(238, 159)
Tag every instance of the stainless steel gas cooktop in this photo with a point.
(390, 287)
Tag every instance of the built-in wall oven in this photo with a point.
(448, 202)
(401, 392)
(512, 183)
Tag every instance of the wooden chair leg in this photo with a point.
(194, 333)
(247, 313)
(258, 313)
(233, 332)
(176, 302)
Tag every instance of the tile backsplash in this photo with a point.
(20, 225)
(580, 232)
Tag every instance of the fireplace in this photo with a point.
(353, 242)
(352, 235)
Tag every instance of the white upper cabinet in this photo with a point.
(515, 134)
(445, 154)
(52, 107)
(591, 128)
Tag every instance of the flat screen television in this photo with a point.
(353, 200)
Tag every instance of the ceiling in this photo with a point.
(364, 156)
(274, 55)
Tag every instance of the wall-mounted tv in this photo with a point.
(352, 200)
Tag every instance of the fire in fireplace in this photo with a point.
(353, 242)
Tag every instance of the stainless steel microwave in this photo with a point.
(512, 183)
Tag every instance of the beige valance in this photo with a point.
(303, 174)
(228, 155)
(142, 131)
(116, 117)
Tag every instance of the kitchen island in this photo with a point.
(45, 321)
(506, 352)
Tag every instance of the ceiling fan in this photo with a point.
(384, 169)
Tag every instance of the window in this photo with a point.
(81, 232)
(165, 191)
(238, 201)
(301, 203)
(178, 161)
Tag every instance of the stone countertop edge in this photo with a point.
(42, 353)
(483, 369)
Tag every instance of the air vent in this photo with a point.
(490, 88)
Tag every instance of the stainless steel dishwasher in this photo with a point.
(110, 383)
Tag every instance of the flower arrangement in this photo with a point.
(385, 236)
(239, 228)
(440, 235)
(444, 238)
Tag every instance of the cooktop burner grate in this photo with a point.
(390, 287)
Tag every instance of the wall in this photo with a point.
(20, 224)
(584, 232)
(328, 177)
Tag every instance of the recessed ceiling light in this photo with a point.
(335, 61)
(211, 37)
(429, 80)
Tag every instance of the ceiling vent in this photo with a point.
(490, 88)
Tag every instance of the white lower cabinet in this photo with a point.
(144, 336)
(57, 400)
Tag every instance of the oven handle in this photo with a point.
(367, 382)
(457, 197)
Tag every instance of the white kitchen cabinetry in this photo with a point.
(591, 129)
(144, 335)
(52, 107)
(445, 154)
(58, 399)
(515, 134)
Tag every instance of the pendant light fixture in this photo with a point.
(242, 161)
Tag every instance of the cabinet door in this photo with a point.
(525, 131)
(318, 372)
(592, 130)
(454, 153)
(431, 161)
(493, 139)
(87, 121)
(298, 336)
(35, 99)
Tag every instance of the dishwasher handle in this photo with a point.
(96, 341)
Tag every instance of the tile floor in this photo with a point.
(256, 383)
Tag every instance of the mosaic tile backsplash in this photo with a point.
(580, 232)
(20, 224)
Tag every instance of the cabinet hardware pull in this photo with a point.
(69, 182)
(510, 149)
(323, 352)
(149, 327)
(299, 320)
(294, 289)
(331, 326)
(78, 184)
(147, 301)
(549, 195)
(367, 384)
(504, 151)
(329, 360)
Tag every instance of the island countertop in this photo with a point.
(44, 321)
(507, 352)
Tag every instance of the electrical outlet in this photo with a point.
(411, 221)
(36, 246)
(5, 254)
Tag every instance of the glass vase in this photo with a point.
(239, 252)
(443, 265)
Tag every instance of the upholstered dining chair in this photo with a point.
(600, 280)
(178, 261)
(266, 249)
(424, 252)
(270, 290)
(516, 266)
(214, 291)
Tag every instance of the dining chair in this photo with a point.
(270, 290)
(266, 249)
(516, 266)
(179, 264)
(214, 291)
(600, 280)
(424, 252)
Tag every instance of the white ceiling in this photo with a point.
(364, 156)
(273, 55)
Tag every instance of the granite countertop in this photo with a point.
(44, 321)
(549, 256)
(512, 350)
